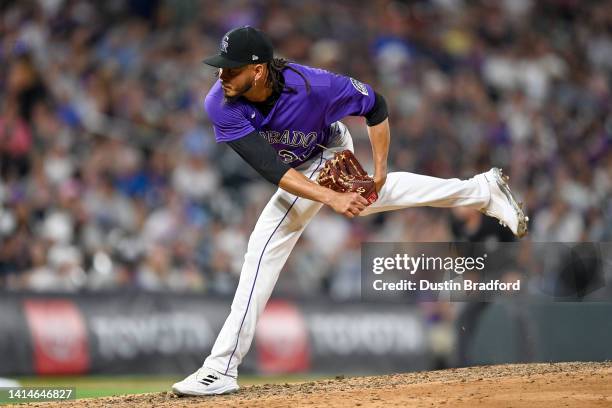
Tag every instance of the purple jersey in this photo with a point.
(298, 122)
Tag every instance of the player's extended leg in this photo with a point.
(403, 189)
(277, 230)
(487, 192)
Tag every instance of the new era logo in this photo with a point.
(254, 57)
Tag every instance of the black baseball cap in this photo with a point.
(242, 46)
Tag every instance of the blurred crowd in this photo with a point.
(110, 176)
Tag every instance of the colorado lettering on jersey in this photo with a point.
(292, 139)
(289, 138)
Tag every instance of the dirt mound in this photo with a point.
(517, 385)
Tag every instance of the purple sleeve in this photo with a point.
(348, 97)
(228, 119)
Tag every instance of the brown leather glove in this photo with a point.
(343, 173)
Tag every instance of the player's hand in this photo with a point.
(348, 204)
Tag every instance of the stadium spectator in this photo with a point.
(106, 156)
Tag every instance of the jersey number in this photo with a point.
(288, 156)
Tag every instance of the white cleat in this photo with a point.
(503, 205)
(206, 382)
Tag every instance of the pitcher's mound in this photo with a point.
(517, 385)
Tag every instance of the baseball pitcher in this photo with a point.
(283, 120)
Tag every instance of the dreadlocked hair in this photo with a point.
(275, 76)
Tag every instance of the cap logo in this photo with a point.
(254, 57)
(224, 43)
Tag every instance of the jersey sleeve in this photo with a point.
(228, 119)
(348, 97)
(261, 156)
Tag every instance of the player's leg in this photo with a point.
(276, 233)
(277, 230)
(403, 189)
(487, 192)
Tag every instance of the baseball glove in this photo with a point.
(343, 173)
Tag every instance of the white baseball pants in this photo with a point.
(285, 217)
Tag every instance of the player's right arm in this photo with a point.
(348, 204)
(258, 153)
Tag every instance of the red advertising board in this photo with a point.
(59, 337)
(282, 339)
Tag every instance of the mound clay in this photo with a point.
(518, 385)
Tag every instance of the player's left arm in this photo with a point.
(377, 120)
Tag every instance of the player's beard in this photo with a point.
(245, 88)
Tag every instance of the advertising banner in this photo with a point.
(114, 333)
(144, 333)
